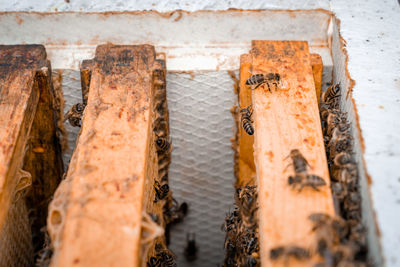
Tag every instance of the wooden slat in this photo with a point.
(43, 158)
(95, 217)
(317, 67)
(286, 119)
(246, 168)
(19, 96)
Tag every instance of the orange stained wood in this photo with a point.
(287, 118)
(95, 217)
(246, 168)
(317, 68)
(19, 96)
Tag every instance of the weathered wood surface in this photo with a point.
(246, 170)
(95, 218)
(20, 68)
(286, 119)
(19, 96)
(43, 157)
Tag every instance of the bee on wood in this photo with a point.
(339, 191)
(304, 180)
(251, 261)
(247, 200)
(298, 161)
(163, 144)
(343, 159)
(257, 80)
(161, 191)
(167, 258)
(191, 247)
(251, 243)
(153, 262)
(290, 251)
(231, 220)
(74, 115)
(176, 213)
(358, 235)
(163, 258)
(337, 225)
(344, 254)
(352, 201)
(342, 144)
(246, 120)
(331, 94)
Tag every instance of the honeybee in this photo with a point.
(74, 115)
(357, 235)
(331, 94)
(352, 201)
(163, 258)
(337, 225)
(167, 258)
(153, 262)
(339, 191)
(303, 180)
(251, 243)
(176, 213)
(257, 80)
(191, 247)
(342, 144)
(251, 261)
(298, 161)
(343, 159)
(163, 145)
(290, 251)
(247, 200)
(231, 220)
(161, 191)
(246, 120)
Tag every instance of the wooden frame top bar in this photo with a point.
(95, 218)
(286, 119)
(18, 102)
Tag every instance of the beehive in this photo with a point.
(200, 124)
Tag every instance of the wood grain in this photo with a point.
(19, 96)
(246, 167)
(286, 119)
(95, 217)
(43, 158)
(317, 68)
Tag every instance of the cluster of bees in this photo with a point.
(343, 169)
(333, 243)
(241, 227)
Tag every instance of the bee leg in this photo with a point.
(269, 88)
(315, 187)
(258, 85)
(287, 167)
(301, 188)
